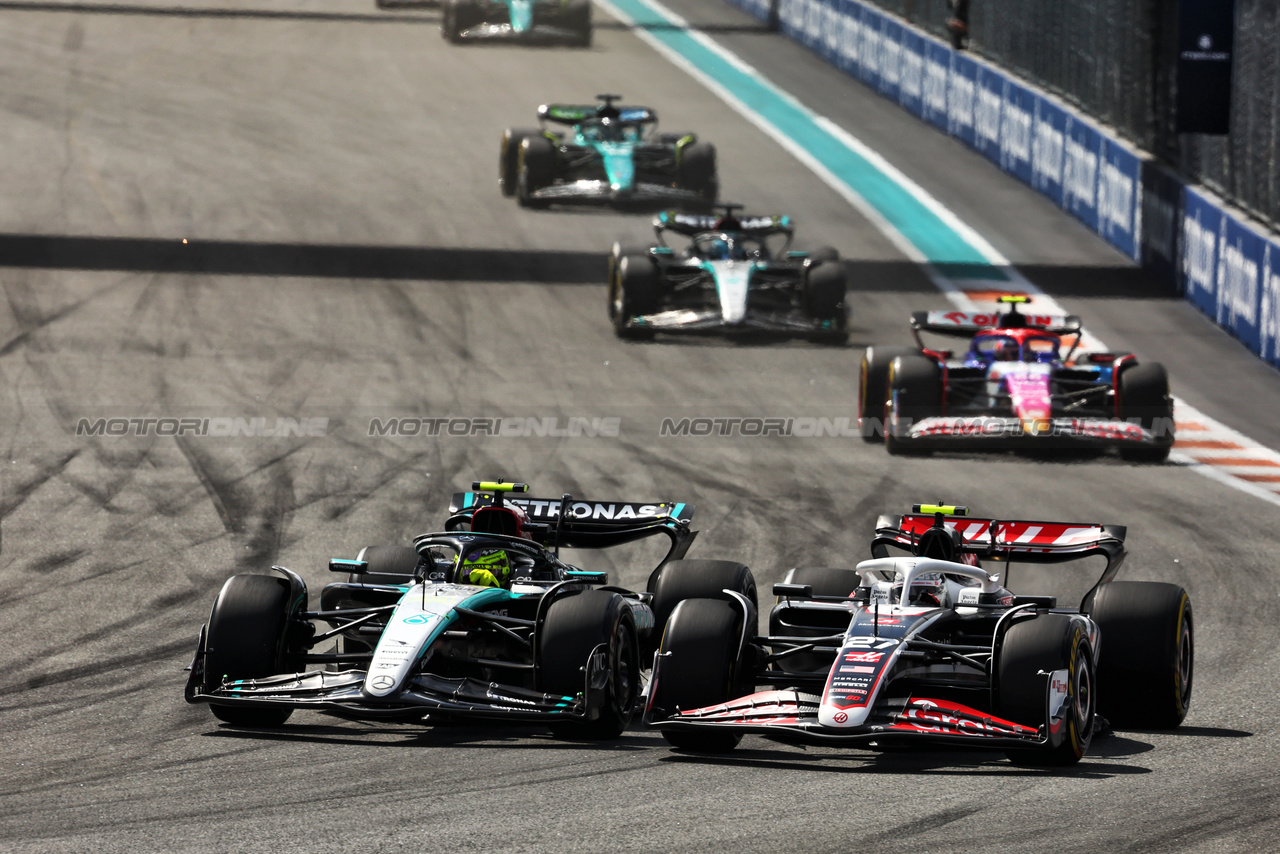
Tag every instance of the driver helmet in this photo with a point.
(1006, 351)
(486, 568)
(610, 128)
(717, 249)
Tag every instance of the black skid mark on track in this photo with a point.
(17, 494)
(253, 506)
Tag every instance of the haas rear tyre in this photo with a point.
(1146, 653)
(575, 628)
(915, 393)
(697, 579)
(1034, 649)
(699, 667)
(246, 640)
(1144, 396)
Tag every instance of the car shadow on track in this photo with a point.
(364, 734)
(349, 261)
(932, 760)
(213, 12)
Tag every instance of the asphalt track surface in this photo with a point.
(348, 258)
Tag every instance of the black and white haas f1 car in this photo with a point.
(481, 622)
(737, 274)
(930, 647)
(605, 153)
(1018, 384)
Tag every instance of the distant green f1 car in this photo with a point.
(607, 154)
(567, 21)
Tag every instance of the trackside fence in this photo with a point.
(1183, 233)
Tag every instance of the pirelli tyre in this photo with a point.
(509, 157)
(246, 639)
(535, 169)
(697, 170)
(576, 18)
(1143, 391)
(697, 579)
(873, 389)
(636, 292)
(700, 666)
(575, 627)
(458, 16)
(616, 254)
(1031, 651)
(915, 393)
(1146, 657)
(824, 289)
(799, 622)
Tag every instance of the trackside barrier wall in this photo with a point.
(1221, 263)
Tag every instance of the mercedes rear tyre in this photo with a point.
(824, 289)
(636, 293)
(679, 580)
(700, 666)
(575, 628)
(246, 640)
(1147, 653)
(577, 19)
(509, 157)
(873, 389)
(697, 170)
(1034, 650)
(535, 169)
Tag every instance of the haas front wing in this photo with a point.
(859, 703)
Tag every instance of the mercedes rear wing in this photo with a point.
(690, 225)
(577, 523)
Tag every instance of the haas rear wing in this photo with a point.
(992, 539)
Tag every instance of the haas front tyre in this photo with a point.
(1041, 657)
(589, 646)
(246, 640)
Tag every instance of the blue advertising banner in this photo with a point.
(891, 33)
(1161, 221)
(1239, 281)
(1269, 305)
(1119, 197)
(1080, 154)
(1202, 224)
(911, 82)
(1048, 144)
(1017, 117)
(850, 50)
(937, 70)
(962, 98)
(988, 108)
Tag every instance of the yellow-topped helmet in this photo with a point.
(486, 568)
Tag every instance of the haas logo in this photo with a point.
(840, 717)
(868, 657)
